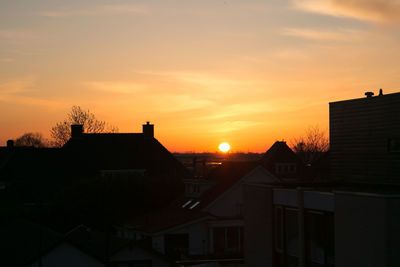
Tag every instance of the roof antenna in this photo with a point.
(380, 92)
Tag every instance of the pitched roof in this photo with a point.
(22, 241)
(279, 152)
(90, 153)
(111, 151)
(164, 219)
(225, 175)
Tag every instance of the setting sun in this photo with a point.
(224, 147)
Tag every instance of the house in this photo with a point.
(205, 226)
(95, 178)
(349, 218)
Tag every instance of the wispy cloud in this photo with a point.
(231, 126)
(6, 59)
(18, 90)
(17, 86)
(381, 11)
(116, 86)
(103, 10)
(343, 35)
(17, 35)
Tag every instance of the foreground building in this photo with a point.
(350, 218)
(95, 178)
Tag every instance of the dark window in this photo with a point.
(219, 239)
(315, 237)
(278, 229)
(292, 236)
(286, 167)
(176, 245)
(232, 238)
(278, 168)
(228, 240)
(330, 239)
(319, 230)
(292, 168)
(394, 144)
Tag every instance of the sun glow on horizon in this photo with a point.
(224, 147)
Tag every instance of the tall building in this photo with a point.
(365, 139)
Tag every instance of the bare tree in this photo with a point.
(31, 139)
(61, 132)
(311, 146)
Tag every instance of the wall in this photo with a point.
(258, 242)
(367, 230)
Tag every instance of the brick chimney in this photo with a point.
(148, 130)
(76, 130)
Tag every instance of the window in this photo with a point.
(319, 230)
(196, 188)
(292, 232)
(315, 237)
(319, 237)
(279, 229)
(394, 145)
(228, 240)
(176, 245)
(285, 168)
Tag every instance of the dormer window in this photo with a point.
(192, 189)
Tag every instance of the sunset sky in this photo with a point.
(247, 72)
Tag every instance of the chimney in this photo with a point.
(148, 130)
(10, 144)
(369, 94)
(76, 130)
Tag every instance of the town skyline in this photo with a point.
(204, 72)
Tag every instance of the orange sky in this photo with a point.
(245, 72)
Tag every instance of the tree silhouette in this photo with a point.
(61, 132)
(31, 139)
(311, 146)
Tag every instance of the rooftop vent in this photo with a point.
(369, 94)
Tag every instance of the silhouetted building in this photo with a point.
(365, 139)
(281, 161)
(101, 177)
